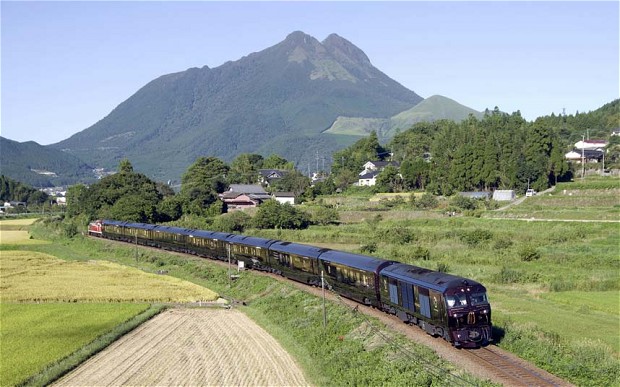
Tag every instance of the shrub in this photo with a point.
(324, 216)
(528, 253)
(368, 248)
(463, 202)
(442, 267)
(235, 221)
(421, 253)
(502, 244)
(476, 237)
(427, 201)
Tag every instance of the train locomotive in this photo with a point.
(454, 308)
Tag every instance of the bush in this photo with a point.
(476, 237)
(235, 221)
(502, 244)
(421, 253)
(369, 247)
(442, 267)
(398, 235)
(426, 202)
(324, 216)
(463, 202)
(528, 253)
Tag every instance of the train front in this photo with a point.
(469, 315)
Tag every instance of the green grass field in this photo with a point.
(35, 336)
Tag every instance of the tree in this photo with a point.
(200, 185)
(244, 168)
(126, 195)
(293, 181)
(389, 180)
(272, 214)
(125, 166)
(274, 161)
(207, 172)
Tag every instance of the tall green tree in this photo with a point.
(244, 168)
(200, 185)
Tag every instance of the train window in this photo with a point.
(456, 300)
(478, 298)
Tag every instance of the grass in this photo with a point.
(17, 237)
(38, 336)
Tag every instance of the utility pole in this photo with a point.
(229, 276)
(583, 158)
(324, 311)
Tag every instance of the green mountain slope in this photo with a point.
(433, 108)
(40, 166)
(278, 100)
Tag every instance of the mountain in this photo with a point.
(433, 108)
(279, 100)
(40, 166)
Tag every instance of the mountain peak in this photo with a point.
(343, 49)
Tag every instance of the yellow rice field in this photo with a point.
(17, 222)
(36, 277)
(10, 237)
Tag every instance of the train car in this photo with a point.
(296, 261)
(354, 276)
(444, 305)
(95, 229)
(253, 251)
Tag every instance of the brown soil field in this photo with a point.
(198, 347)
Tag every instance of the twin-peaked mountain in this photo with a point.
(278, 100)
(302, 99)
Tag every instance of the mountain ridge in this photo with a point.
(287, 93)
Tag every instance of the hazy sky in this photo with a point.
(66, 65)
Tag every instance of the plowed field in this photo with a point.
(198, 347)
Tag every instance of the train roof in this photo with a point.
(220, 236)
(297, 249)
(428, 278)
(173, 230)
(251, 241)
(358, 261)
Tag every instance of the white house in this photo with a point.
(284, 197)
(368, 177)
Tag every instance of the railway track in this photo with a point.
(512, 370)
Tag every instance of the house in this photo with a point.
(240, 196)
(591, 144)
(589, 155)
(368, 177)
(284, 197)
(615, 132)
(267, 176)
(504, 195)
(378, 166)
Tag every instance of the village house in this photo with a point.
(268, 176)
(240, 196)
(284, 197)
(368, 177)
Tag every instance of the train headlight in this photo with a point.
(485, 311)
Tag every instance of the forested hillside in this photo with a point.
(20, 161)
(11, 190)
(499, 151)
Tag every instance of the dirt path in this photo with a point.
(195, 347)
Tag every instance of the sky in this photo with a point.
(66, 65)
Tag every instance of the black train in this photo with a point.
(445, 305)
